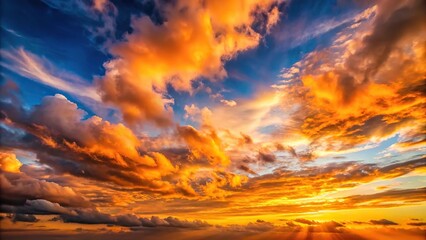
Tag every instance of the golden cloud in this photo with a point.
(193, 41)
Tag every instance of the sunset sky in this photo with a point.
(213, 119)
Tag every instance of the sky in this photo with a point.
(208, 119)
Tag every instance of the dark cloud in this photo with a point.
(18, 217)
(384, 222)
(418, 224)
(175, 222)
(89, 216)
(18, 188)
(407, 17)
(266, 157)
(247, 169)
(93, 216)
(246, 139)
(155, 221)
(38, 206)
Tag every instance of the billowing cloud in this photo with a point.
(18, 188)
(58, 132)
(59, 135)
(193, 40)
(204, 145)
(9, 163)
(367, 86)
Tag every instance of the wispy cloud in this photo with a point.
(45, 72)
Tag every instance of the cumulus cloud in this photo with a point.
(229, 103)
(89, 216)
(193, 42)
(19, 188)
(9, 162)
(61, 136)
(93, 216)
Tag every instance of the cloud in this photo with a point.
(266, 157)
(41, 205)
(247, 169)
(100, 4)
(387, 198)
(43, 71)
(175, 222)
(24, 218)
(203, 145)
(417, 224)
(260, 226)
(91, 147)
(9, 162)
(62, 137)
(229, 103)
(315, 184)
(194, 41)
(384, 222)
(37, 207)
(89, 216)
(93, 216)
(18, 188)
(365, 87)
(98, 17)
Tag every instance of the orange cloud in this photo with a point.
(194, 41)
(9, 162)
(204, 145)
(366, 87)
